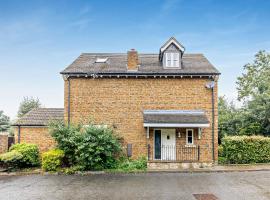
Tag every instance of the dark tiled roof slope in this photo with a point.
(148, 64)
(40, 116)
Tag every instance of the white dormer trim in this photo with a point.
(172, 40)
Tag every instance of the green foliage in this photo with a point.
(129, 165)
(91, 147)
(4, 122)
(66, 138)
(246, 149)
(12, 159)
(256, 79)
(222, 160)
(253, 118)
(28, 104)
(220, 150)
(52, 160)
(72, 169)
(254, 89)
(229, 118)
(29, 152)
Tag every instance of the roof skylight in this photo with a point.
(101, 60)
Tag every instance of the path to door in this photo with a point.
(230, 185)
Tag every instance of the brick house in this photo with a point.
(164, 105)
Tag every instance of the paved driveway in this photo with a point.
(230, 185)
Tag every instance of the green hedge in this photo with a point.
(246, 149)
(52, 160)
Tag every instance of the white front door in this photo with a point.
(168, 144)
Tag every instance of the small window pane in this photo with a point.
(189, 137)
(190, 140)
(172, 59)
(189, 133)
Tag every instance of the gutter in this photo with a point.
(28, 125)
(134, 74)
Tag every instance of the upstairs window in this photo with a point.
(172, 59)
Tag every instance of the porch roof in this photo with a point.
(175, 118)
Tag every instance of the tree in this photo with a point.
(229, 118)
(254, 90)
(4, 122)
(28, 104)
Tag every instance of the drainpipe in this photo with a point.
(213, 125)
(211, 86)
(19, 134)
(68, 101)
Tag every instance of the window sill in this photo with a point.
(190, 145)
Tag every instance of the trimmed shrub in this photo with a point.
(52, 160)
(246, 149)
(29, 152)
(91, 147)
(12, 159)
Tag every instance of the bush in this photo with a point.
(29, 152)
(52, 160)
(246, 149)
(90, 147)
(12, 159)
(65, 137)
(220, 151)
(129, 165)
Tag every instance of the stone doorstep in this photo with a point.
(177, 165)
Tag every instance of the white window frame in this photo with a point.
(172, 59)
(192, 130)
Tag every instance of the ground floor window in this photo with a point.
(189, 137)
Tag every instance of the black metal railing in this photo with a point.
(182, 153)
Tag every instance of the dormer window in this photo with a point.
(170, 54)
(172, 59)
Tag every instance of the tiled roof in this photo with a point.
(175, 116)
(40, 117)
(148, 64)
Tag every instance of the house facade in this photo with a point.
(163, 105)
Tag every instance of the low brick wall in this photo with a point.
(177, 165)
(3, 142)
(36, 135)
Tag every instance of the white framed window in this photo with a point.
(189, 137)
(172, 59)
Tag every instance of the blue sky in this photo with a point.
(38, 39)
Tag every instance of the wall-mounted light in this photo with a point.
(179, 134)
(199, 133)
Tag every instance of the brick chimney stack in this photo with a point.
(132, 60)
